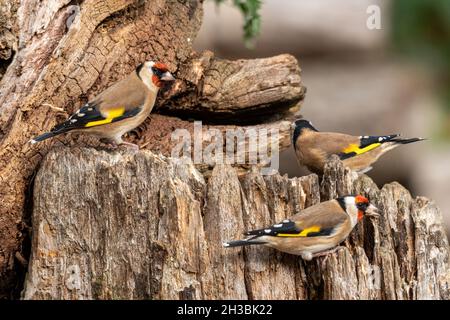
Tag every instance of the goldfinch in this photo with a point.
(315, 231)
(120, 108)
(313, 148)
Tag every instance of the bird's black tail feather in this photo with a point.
(256, 232)
(406, 141)
(42, 137)
(240, 243)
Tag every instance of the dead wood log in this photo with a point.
(8, 33)
(143, 226)
(221, 90)
(60, 54)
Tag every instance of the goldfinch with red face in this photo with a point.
(120, 108)
(315, 231)
(314, 148)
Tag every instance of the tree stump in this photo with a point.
(55, 56)
(118, 225)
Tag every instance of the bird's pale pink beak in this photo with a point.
(167, 76)
(372, 211)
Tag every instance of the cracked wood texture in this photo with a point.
(142, 226)
(62, 53)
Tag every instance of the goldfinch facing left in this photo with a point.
(120, 108)
(314, 148)
(313, 231)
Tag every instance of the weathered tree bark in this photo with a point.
(59, 54)
(138, 226)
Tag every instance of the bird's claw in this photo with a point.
(129, 145)
(327, 253)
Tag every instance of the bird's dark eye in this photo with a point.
(157, 72)
(362, 206)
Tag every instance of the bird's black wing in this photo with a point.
(90, 116)
(366, 143)
(289, 228)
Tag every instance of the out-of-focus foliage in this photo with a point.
(252, 19)
(421, 29)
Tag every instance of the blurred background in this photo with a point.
(360, 81)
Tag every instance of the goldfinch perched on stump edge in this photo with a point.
(313, 148)
(120, 108)
(316, 231)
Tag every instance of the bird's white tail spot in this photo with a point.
(226, 244)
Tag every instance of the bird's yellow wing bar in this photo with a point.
(303, 233)
(357, 150)
(289, 228)
(111, 114)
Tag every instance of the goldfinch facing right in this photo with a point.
(120, 108)
(314, 148)
(315, 231)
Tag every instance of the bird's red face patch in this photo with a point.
(360, 200)
(360, 215)
(156, 80)
(158, 70)
(361, 203)
(160, 66)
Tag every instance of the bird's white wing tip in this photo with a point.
(226, 244)
(32, 141)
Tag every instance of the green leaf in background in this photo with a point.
(421, 30)
(252, 19)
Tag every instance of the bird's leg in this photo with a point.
(327, 252)
(365, 170)
(133, 146)
(111, 144)
(307, 256)
(128, 145)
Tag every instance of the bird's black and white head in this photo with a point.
(299, 127)
(357, 207)
(154, 74)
